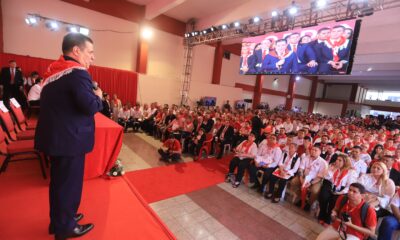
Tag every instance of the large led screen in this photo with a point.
(326, 49)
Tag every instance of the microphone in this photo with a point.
(95, 85)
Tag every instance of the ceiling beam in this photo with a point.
(158, 7)
(132, 12)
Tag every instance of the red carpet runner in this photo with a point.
(117, 211)
(160, 183)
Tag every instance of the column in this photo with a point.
(353, 95)
(141, 57)
(258, 91)
(313, 92)
(218, 56)
(290, 93)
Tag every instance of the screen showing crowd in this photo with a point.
(325, 49)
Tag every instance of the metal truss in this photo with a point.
(333, 11)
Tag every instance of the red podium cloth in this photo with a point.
(107, 144)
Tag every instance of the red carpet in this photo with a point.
(112, 205)
(160, 183)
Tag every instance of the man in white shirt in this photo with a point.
(266, 160)
(391, 223)
(311, 174)
(359, 166)
(288, 126)
(34, 93)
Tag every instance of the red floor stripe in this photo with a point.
(160, 183)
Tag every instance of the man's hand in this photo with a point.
(98, 92)
(312, 63)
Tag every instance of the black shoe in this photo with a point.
(268, 195)
(275, 200)
(78, 231)
(307, 207)
(77, 218)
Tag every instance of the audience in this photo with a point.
(327, 164)
(34, 92)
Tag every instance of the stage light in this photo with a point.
(274, 14)
(212, 29)
(84, 31)
(369, 69)
(204, 31)
(293, 10)
(256, 19)
(147, 33)
(224, 26)
(236, 24)
(32, 20)
(297, 78)
(52, 25)
(72, 29)
(321, 3)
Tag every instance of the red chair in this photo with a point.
(206, 148)
(13, 132)
(18, 148)
(22, 123)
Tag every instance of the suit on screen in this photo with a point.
(289, 66)
(305, 54)
(326, 55)
(65, 132)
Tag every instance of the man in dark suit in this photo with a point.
(65, 131)
(281, 60)
(12, 81)
(335, 52)
(224, 136)
(106, 105)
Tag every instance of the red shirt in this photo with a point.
(173, 145)
(355, 215)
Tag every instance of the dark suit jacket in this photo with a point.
(228, 133)
(6, 77)
(66, 121)
(305, 54)
(207, 126)
(395, 176)
(289, 66)
(106, 109)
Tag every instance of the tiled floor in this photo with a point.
(190, 217)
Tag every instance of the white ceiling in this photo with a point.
(378, 44)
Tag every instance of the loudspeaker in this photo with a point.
(248, 100)
(227, 55)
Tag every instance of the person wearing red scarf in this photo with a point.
(65, 131)
(335, 52)
(281, 60)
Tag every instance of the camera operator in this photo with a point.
(353, 218)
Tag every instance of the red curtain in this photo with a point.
(113, 81)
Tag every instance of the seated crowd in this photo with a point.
(347, 170)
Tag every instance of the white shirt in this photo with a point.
(34, 93)
(298, 141)
(396, 200)
(369, 182)
(288, 164)
(344, 182)
(314, 168)
(252, 150)
(366, 158)
(136, 113)
(124, 114)
(269, 155)
(360, 167)
(288, 127)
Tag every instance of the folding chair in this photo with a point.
(21, 121)
(12, 131)
(18, 148)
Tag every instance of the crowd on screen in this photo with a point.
(327, 53)
(327, 163)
